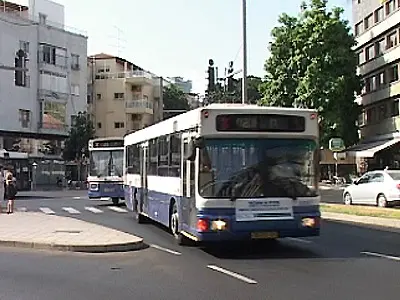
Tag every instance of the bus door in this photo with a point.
(188, 204)
(143, 198)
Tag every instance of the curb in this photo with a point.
(374, 223)
(124, 247)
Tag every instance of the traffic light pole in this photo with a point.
(244, 80)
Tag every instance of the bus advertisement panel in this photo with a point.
(227, 172)
(105, 178)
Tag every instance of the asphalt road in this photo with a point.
(345, 262)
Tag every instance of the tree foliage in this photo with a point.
(174, 98)
(79, 135)
(312, 65)
(235, 96)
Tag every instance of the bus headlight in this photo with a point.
(218, 225)
(94, 187)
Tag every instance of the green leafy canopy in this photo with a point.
(312, 65)
(79, 135)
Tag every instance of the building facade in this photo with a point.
(43, 78)
(377, 31)
(184, 85)
(122, 96)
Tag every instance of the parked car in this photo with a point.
(380, 188)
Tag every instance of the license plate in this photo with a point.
(264, 235)
(108, 190)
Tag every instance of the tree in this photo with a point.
(253, 92)
(174, 98)
(312, 65)
(79, 135)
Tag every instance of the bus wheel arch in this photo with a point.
(174, 223)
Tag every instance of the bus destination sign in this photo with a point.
(108, 144)
(260, 123)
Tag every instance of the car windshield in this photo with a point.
(394, 175)
(244, 168)
(106, 163)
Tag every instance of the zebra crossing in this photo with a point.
(74, 211)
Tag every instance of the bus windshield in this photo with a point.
(106, 163)
(256, 168)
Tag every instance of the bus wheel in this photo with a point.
(115, 201)
(174, 226)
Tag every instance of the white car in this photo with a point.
(380, 188)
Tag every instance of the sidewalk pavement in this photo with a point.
(392, 225)
(40, 231)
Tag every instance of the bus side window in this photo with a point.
(184, 168)
(192, 179)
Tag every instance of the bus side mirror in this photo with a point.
(191, 155)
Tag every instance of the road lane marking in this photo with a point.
(165, 249)
(77, 198)
(93, 210)
(71, 210)
(22, 209)
(118, 209)
(232, 274)
(396, 258)
(299, 240)
(46, 210)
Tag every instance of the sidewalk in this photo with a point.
(392, 225)
(40, 231)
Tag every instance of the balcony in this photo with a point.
(141, 106)
(390, 91)
(52, 95)
(378, 29)
(386, 126)
(388, 57)
(51, 128)
(132, 77)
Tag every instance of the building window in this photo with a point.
(75, 89)
(370, 84)
(380, 79)
(98, 96)
(54, 115)
(368, 21)
(358, 28)
(392, 40)
(370, 52)
(53, 55)
(393, 73)
(360, 57)
(118, 95)
(24, 46)
(24, 117)
(119, 125)
(54, 83)
(382, 112)
(75, 62)
(88, 99)
(379, 14)
(380, 47)
(99, 125)
(395, 108)
(20, 77)
(390, 7)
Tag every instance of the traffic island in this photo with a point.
(384, 218)
(49, 232)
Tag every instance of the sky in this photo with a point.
(178, 37)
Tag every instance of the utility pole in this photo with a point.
(244, 81)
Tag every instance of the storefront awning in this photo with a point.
(369, 149)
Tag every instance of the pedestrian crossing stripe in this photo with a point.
(73, 211)
(93, 210)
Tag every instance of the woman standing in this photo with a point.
(11, 191)
(2, 187)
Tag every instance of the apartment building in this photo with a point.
(123, 97)
(377, 31)
(43, 77)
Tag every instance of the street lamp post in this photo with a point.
(244, 81)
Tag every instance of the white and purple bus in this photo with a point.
(227, 172)
(106, 169)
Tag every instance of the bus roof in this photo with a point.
(107, 138)
(192, 119)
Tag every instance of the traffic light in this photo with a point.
(211, 76)
(230, 77)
